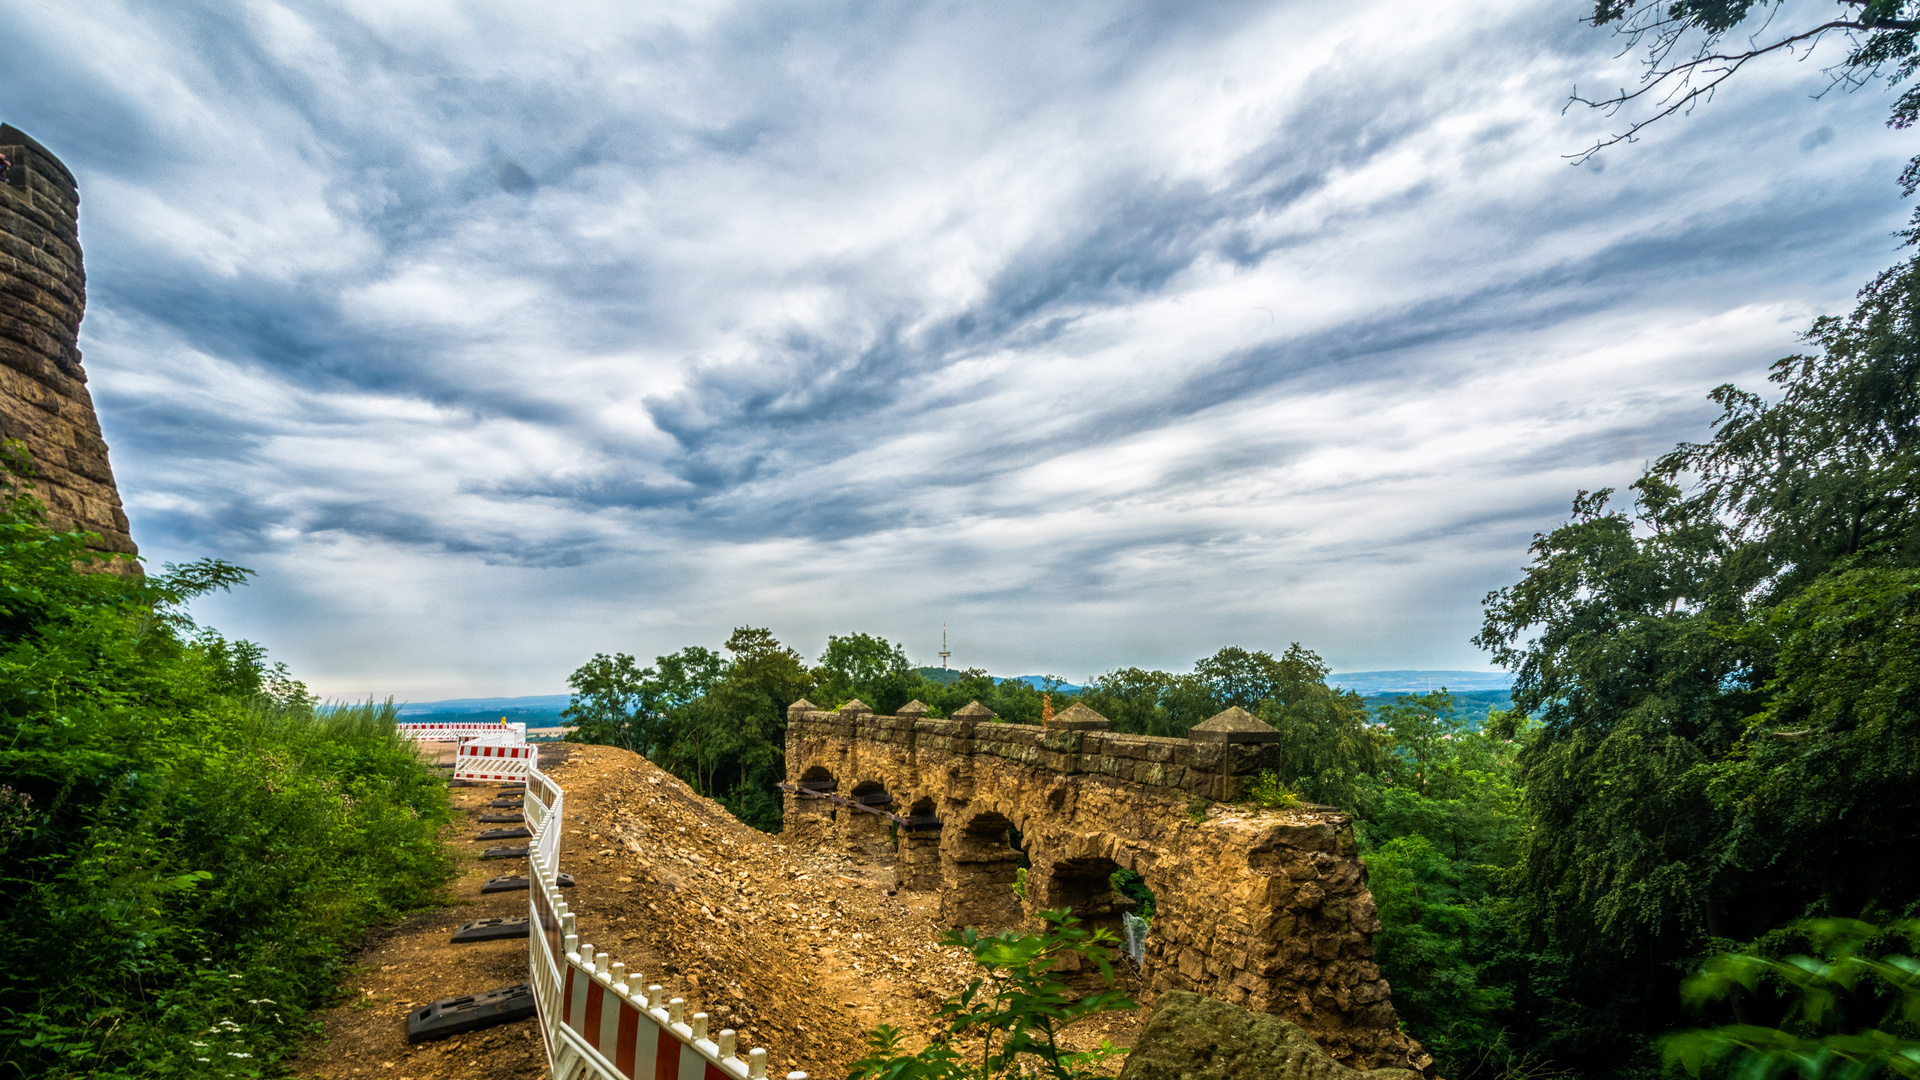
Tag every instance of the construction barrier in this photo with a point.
(598, 1019)
(517, 733)
(485, 760)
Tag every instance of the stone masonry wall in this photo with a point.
(1268, 910)
(44, 401)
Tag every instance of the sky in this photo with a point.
(494, 335)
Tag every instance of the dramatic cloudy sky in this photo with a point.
(494, 334)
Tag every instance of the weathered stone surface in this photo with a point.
(974, 711)
(1235, 725)
(44, 401)
(1190, 1037)
(1263, 909)
(1077, 718)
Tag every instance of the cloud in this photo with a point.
(1107, 334)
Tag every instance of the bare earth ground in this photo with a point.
(800, 949)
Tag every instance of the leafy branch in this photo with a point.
(1017, 1008)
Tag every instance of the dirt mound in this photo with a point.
(800, 950)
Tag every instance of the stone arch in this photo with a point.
(1081, 883)
(920, 847)
(979, 865)
(868, 835)
(813, 817)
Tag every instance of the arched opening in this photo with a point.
(920, 848)
(868, 834)
(811, 814)
(1103, 896)
(1088, 887)
(980, 867)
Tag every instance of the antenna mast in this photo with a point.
(943, 647)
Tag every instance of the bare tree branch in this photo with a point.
(1678, 85)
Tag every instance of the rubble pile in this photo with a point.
(799, 949)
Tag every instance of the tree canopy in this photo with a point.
(1723, 674)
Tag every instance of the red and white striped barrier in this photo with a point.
(493, 761)
(598, 1019)
(516, 733)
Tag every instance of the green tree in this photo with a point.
(869, 668)
(715, 721)
(1440, 832)
(1849, 1012)
(1678, 792)
(1421, 729)
(1328, 747)
(609, 704)
(1133, 699)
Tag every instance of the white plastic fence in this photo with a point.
(598, 1019)
(453, 733)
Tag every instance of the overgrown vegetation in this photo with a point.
(1850, 1010)
(1016, 1009)
(186, 845)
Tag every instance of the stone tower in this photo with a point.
(43, 390)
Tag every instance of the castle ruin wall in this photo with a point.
(1268, 910)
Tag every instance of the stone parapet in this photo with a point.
(1216, 766)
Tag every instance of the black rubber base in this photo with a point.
(491, 930)
(515, 818)
(511, 787)
(458, 1015)
(462, 783)
(521, 833)
(508, 804)
(504, 853)
(510, 884)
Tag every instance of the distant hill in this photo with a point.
(539, 711)
(1471, 705)
(1370, 683)
(541, 703)
(947, 676)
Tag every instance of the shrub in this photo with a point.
(1017, 1009)
(188, 846)
(1268, 793)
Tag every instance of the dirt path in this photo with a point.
(415, 962)
(801, 950)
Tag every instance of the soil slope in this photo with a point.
(800, 949)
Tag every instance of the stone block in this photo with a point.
(1208, 756)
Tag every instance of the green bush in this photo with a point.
(187, 845)
(1268, 793)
